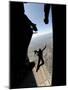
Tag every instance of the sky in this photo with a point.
(35, 12)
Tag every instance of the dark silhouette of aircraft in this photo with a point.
(21, 30)
(59, 41)
(40, 57)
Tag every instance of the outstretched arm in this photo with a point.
(44, 48)
(46, 13)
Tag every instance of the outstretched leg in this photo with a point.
(38, 65)
(42, 61)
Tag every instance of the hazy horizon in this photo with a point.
(39, 34)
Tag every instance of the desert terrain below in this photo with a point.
(44, 75)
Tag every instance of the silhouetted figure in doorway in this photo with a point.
(29, 29)
(40, 57)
